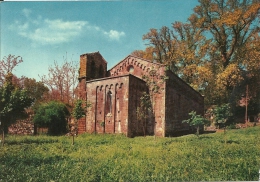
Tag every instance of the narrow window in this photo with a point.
(109, 102)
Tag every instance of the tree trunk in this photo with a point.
(198, 131)
(144, 127)
(34, 129)
(73, 139)
(3, 137)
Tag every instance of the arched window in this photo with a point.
(130, 69)
(109, 102)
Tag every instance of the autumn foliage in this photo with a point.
(216, 51)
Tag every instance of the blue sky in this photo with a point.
(42, 32)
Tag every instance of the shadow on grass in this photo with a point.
(30, 141)
(180, 133)
(205, 137)
(183, 133)
(209, 132)
(31, 161)
(230, 141)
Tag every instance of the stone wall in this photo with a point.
(181, 99)
(92, 66)
(135, 66)
(22, 127)
(140, 67)
(136, 89)
(109, 111)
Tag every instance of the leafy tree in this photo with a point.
(231, 25)
(215, 50)
(13, 102)
(78, 112)
(251, 64)
(182, 50)
(37, 90)
(52, 115)
(160, 42)
(146, 54)
(222, 114)
(196, 120)
(7, 65)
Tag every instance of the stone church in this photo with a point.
(115, 95)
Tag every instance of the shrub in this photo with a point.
(196, 120)
(232, 126)
(222, 114)
(53, 116)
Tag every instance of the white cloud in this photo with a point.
(56, 31)
(114, 35)
(65, 25)
(51, 31)
(23, 27)
(26, 12)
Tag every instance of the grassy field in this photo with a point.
(212, 157)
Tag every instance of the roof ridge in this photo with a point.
(130, 55)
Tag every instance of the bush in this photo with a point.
(222, 114)
(196, 120)
(53, 116)
(232, 126)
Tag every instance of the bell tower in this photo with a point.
(92, 66)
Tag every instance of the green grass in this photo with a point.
(212, 157)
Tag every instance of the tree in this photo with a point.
(196, 120)
(7, 65)
(160, 44)
(36, 90)
(213, 51)
(146, 54)
(78, 112)
(231, 25)
(222, 114)
(52, 115)
(251, 65)
(182, 50)
(62, 81)
(13, 102)
(191, 48)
